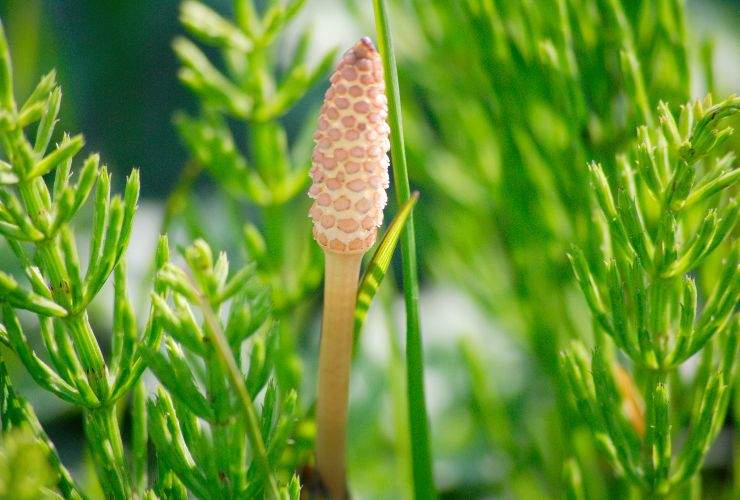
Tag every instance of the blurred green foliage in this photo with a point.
(119, 74)
(506, 102)
(24, 472)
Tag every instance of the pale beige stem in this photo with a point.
(340, 293)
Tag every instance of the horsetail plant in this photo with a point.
(203, 421)
(250, 97)
(502, 149)
(252, 92)
(213, 445)
(668, 210)
(350, 175)
(36, 218)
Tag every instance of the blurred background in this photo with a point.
(117, 69)
(119, 73)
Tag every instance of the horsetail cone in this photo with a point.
(350, 160)
(350, 175)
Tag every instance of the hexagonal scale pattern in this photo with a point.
(350, 159)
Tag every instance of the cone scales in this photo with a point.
(350, 160)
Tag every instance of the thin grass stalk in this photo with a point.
(397, 392)
(423, 479)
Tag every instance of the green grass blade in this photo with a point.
(418, 422)
(378, 266)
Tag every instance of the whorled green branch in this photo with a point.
(668, 212)
(37, 215)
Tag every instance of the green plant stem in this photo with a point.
(397, 392)
(104, 438)
(226, 359)
(220, 401)
(178, 198)
(139, 436)
(103, 424)
(417, 411)
(274, 219)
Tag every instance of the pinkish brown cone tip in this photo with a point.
(350, 159)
